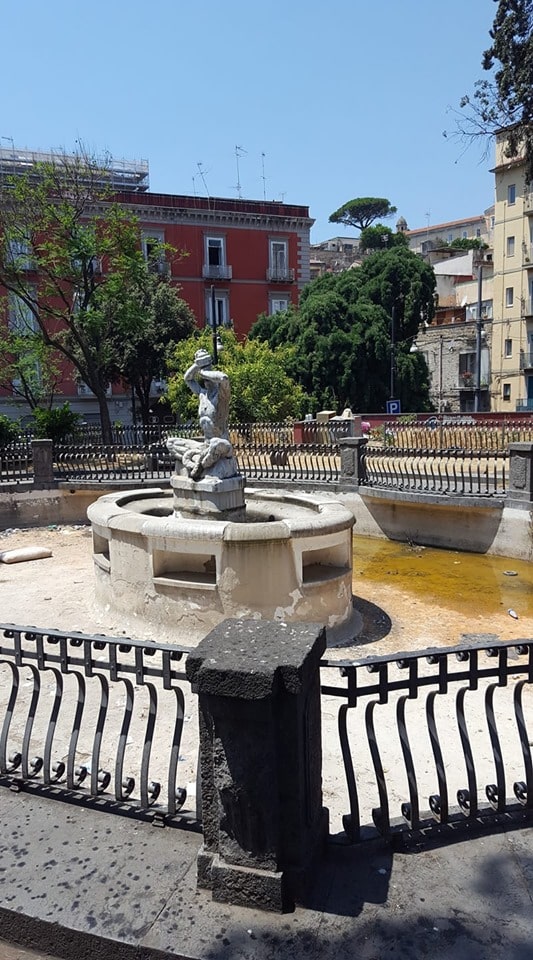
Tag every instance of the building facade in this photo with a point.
(236, 259)
(512, 347)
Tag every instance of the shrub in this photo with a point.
(55, 424)
(9, 430)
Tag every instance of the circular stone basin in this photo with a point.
(290, 559)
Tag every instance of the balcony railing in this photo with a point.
(527, 310)
(467, 381)
(523, 405)
(216, 271)
(527, 254)
(526, 359)
(280, 275)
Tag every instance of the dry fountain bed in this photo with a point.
(57, 592)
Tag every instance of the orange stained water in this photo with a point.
(465, 583)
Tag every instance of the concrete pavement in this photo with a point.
(79, 883)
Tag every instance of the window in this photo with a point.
(511, 194)
(221, 309)
(278, 260)
(19, 254)
(509, 296)
(467, 365)
(277, 304)
(510, 246)
(215, 253)
(21, 319)
(151, 243)
(465, 235)
(450, 237)
(508, 348)
(478, 232)
(506, 392)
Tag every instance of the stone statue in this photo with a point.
(212, 457)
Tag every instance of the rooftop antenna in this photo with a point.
(194, 186)
(202, 174)
(263, 178)
(239, 152)
(428, 217)
(283, 195)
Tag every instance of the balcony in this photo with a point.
(527, 255)
(216, 271)
(524, 406)
(467, 381)
(280, 275)
(526, 359)
(528, 203)
(527, 307)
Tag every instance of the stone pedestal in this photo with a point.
(353, 469)
(260, 760)
(209, 497)
(520, 488)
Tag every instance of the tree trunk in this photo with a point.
(105, 419)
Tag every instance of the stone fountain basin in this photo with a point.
(289, 560)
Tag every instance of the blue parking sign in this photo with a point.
(394, 406)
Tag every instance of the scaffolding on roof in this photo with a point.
(129, 176)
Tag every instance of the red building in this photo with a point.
(254, 253)
(245, 257)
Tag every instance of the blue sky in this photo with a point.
(345, 99)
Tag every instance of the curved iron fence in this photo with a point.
(448, 727)
(95, 716)
(459, 472)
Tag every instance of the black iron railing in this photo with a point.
(95, 716)
(305, 461)
(16, 462)
(435, 737)
(143, 463)
(460, 472)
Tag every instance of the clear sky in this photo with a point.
(345, 99)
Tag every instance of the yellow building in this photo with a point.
(512, 324)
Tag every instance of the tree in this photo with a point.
(261, 389)
(380, 237)
(158, 319)
(341, 334)
(28, 368)
(362, 211)
(64, 245)
(505, 100)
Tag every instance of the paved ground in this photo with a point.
(77, 883)
(84, 885)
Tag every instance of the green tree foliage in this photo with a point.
(505, 100)
(261, 388)
(9, 430)
(28, 368)
(64, 246)
(55, 424)
(362, 211)
(379, 237)
(158, 319)
(468, 243)
(341, 334)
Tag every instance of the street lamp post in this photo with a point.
(479, 327)
(392, 349)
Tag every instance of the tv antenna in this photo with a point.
(202, 173)
(239, 152)
(263, 178)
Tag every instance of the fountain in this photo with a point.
(180, 561)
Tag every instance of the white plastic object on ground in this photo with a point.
(19, 554)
